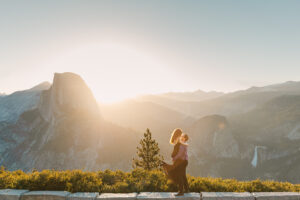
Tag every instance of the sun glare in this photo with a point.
(115, 72)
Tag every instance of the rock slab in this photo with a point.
(45, 195)
(167, 195)
(83, 196)
(227, 196)
(277, 195)
(117, 196)
(11, 194)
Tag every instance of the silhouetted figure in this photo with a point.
(177, 171)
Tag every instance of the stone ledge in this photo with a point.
(83, 196)
(117, 196)
(226, 195)
(276, 195)
(45, 195)
(11, 194)
(167, 195)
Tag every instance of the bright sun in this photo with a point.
(115, 72)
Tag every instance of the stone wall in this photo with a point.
(12, 194)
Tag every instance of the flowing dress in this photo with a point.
(173, 171)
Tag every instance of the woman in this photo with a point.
(177, 171)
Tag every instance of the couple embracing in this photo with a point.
(177, 171)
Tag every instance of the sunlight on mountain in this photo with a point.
(115, 72)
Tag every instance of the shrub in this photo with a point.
(136, 180)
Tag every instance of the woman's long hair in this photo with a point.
(175, 135)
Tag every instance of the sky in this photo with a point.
(128, 48)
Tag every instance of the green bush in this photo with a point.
(135, 181)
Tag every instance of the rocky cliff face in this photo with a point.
(214, 136)
(212, 146)
(12, 106)
(271, 131)
(68, 95)
(66, 131)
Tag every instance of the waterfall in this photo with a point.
(254, 160)
(255, 156)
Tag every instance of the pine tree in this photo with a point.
(147, 153)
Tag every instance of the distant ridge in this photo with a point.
(285, 86)
(197, 95)
(42, 86)
(13, 105)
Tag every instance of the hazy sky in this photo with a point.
(125, 48)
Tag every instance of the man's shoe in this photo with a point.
(179, 194)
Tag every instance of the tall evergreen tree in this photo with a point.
(148, 156)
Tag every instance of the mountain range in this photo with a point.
(248, 134)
